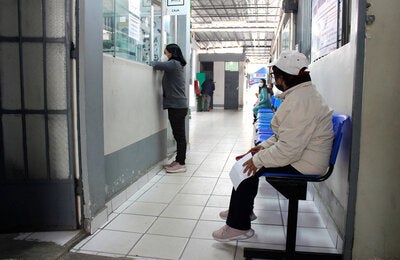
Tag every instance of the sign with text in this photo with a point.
(177, 7)
(324, 27)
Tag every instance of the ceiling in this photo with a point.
(247, 25)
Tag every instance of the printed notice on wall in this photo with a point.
(324, 27)
(177, 7)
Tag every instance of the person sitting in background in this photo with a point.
(263, 99)
(301, 143)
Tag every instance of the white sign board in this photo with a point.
(177, 7)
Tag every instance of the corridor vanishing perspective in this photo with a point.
(173, 215)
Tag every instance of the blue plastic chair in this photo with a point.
(265, 110)
(262, 137)
(277, 103)
(294, 188)
(272, 100)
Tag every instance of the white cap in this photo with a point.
(290, 62)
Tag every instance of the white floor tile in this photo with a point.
(313, 220)
(131, 223)
(197, 185)
(161, 193)
(145, 208)
(268, 217)
(223, 187)
(109, 241)
(159, 247)
(205, 228)
(207, 173)
(212, 167)
(225, 174)
(182, 211)
(173, 227)
(199, 249)
(304, 206)
(315, 237)
(190, 199)
(174, 179)
(212, 213)
(268, 234)
(263, 203)
(193, 157)
(220, 201)
(266, 191)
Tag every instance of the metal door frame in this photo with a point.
(227, 74)
(45, 203)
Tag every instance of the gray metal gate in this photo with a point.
(231, 97)
(37, 189)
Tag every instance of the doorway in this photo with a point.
(231, 97)
(37, 184)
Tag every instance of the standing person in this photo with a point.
(263, 99)
(175, 100)
(207, 89)
(301, 143)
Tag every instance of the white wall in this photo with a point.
(132, 103)
(377, 225)
(219, 78)
(377, 209)
(333, 76)
(241, 84)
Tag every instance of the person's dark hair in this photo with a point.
(176, 53)
(264, 82)
(292, 80)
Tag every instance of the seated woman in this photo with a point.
(263, 99)
(301, 143)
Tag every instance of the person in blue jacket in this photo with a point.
(263, 98)
(174, 100)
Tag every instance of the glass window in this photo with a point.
(169, 28)
(231, 66)
(157, 38)
(127, 29)
(330, 26)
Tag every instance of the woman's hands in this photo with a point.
(248, 167)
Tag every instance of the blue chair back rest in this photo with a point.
(266, 116)
(272, 100)
(338, 121)
(277, 102)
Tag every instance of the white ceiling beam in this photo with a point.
(235, 29)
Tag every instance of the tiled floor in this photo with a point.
(173, 216)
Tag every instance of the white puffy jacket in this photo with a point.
(303, 133)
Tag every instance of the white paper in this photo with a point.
(236, 174)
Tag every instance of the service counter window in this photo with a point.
(129, 28)
(330, 26)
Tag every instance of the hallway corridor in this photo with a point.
(173, 216)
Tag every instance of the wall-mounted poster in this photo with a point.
(324, 27)
(134, 20)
